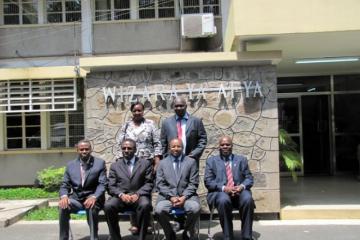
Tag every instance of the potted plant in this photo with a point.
(289, 154)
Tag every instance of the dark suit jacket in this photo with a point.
(215, 174)
(186, 184)
(140, 181)
(95, 180)
(196, 138)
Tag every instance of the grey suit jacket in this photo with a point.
(95, 180)
(215, 174)
(185, 185)
(196, 138)
(140, 181)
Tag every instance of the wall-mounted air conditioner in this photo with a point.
(197, 25)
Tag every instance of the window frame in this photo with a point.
(20, 14)
(63, 11)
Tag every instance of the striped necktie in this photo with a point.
(229, 175)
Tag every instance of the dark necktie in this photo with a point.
(177, 167)
(129, 166)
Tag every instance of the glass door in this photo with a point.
(290, 119)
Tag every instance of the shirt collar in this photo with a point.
(230, 158)
(174, 158)
(131, 160)
(186, 116)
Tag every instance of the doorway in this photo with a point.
(316, 134)
(307, 120)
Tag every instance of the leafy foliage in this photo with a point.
(25, 193)
(289, 154)
(49, 213)
(51, 178)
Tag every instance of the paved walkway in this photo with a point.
(263, 230)
(12, 211)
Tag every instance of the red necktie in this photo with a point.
(229, 175)
(179, 128)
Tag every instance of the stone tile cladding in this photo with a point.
(251, 122)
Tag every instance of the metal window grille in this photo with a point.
(106, 10)
(166, 8)
(66, 128)
(38, 95)
(191, 6)
(146, 9)
(20, 11)
(23, 130)
(201, 6)
(211, 6)
(63, 10)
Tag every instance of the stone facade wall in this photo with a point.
(251, 122)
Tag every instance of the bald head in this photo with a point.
(225, 146)
(180, 106)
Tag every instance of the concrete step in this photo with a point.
(320, 212)
(12, 211)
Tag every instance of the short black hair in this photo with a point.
(128, 140)
(83, 141)
(135, 104)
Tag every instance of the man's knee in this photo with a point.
(193, 207)
(246, 200)
(108, 208)
(223, 200)
(145, 205)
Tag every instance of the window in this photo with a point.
(156, 9)
(63, 11)
(106, 10)
(201, 6)
(20, 11)
(66, 128)
(38, 95)
(23, 130)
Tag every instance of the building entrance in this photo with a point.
(321, 114)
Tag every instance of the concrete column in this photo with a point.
(1, 13)
(41, 12)
(86, 28)
(224, 7)
(2, 132)
(44, 130)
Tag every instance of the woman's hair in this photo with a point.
(135, 104)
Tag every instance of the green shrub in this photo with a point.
(50, 178)
(25, 193)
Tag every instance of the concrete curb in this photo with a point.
(14, 210)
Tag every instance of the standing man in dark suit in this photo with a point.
(177, 179)
(228, 180)
(130, 185)
(83, 187)
(183, 126)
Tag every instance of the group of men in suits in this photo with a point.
(131, 180)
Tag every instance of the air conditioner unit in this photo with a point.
(197, 25)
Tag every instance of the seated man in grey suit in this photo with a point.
(130, 186)
(228, 180)
(189, 129)
(83, 187)
(177, 179)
